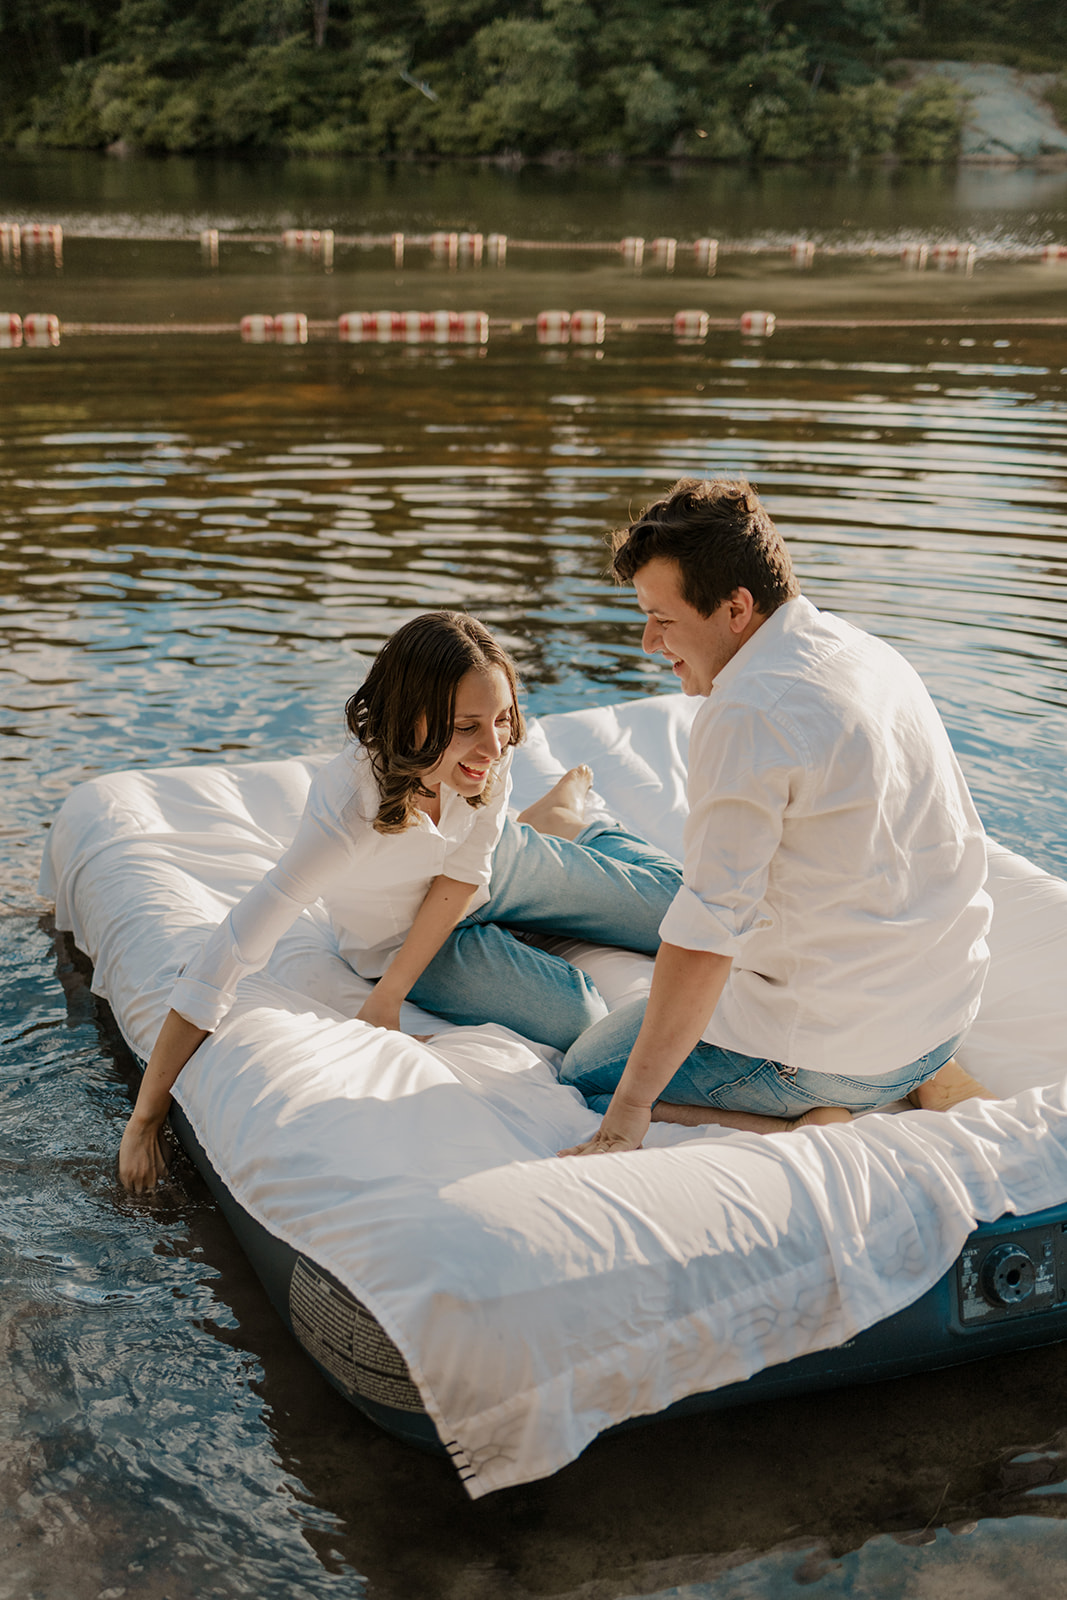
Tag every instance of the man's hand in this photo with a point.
(623, 1128)
(380, 1011)
(142, 1158)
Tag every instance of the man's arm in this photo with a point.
(686, 985)
(446, 903)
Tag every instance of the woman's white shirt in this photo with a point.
(371, 884)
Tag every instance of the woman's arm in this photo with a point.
(141, 1159)
(446, 902)
(686, 986)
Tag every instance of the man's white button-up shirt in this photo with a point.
(833, 851)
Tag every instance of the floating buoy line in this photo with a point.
(44, 329)
(462, 249)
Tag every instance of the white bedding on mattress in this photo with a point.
(539, 1301)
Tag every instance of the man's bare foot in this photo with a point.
(948, 1087)
(747, 1121)
(562, 810)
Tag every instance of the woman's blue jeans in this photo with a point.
(607, 886)
(729, 1081)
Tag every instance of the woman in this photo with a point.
(405, 838)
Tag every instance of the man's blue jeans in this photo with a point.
(729, 1081)
(607, 886)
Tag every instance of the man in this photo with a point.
(827, 947)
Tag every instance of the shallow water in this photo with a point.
(199, 542)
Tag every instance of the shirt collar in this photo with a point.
(788, 618)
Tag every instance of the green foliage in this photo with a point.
(729, 80)
(931, 120)
(1026, 30)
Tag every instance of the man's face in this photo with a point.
(697, 647)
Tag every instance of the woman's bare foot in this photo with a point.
(747, 1121)
(948, 1087)
(562, 810)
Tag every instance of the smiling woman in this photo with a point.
(406, 840)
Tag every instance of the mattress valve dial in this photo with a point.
(1008, 1275)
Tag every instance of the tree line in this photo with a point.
(724, 79)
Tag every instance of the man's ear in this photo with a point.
(742, 608)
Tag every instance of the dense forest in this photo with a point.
(723, 79)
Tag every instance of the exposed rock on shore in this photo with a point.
(1007, 119)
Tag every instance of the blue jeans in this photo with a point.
(712, 1076)
(607, 886)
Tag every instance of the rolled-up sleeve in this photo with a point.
(471, 859)
(741, 770)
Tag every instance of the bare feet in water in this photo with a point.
(562, 810)
(948, 1087)
(748, 1121)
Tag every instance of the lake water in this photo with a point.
(201, 543)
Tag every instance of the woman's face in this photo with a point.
(481, 732)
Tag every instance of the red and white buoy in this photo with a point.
(690, 324)
(757, 324)
(587, 327)
(1054, 254)
(10, 241)
(43, 233)
(706, 254)
(369, 327)
(10, 330)
(314, 242)
(291, 327)
(445, 247)
(40, 328)
(553, 327)
(469, 327)
(663, 253)
(413, 327)
(914, 256)
(469, 249)
(633, 250)
(802, 252)
(308, 241)
(953, 254)
(257, 328)
(497, 245)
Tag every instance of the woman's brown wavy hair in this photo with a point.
(403, 714)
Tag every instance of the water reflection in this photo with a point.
(176, 195)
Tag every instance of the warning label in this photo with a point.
(343, 1337)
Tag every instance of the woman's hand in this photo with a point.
(142, 1158)
(623, 1128)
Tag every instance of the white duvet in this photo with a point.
(539, 1301)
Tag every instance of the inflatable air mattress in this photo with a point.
(403, 1203)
